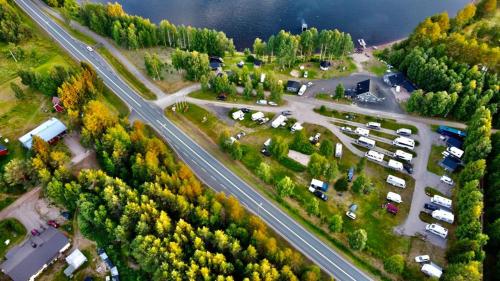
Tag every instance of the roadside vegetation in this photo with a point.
(286, 181)
(10, 230)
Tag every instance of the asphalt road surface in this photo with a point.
(205, 166)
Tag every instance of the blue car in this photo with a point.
(350, 174)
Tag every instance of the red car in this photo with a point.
(392, 209)
(53, 223)
(35, 232)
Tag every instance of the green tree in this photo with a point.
(463, 272)
(248, 90)
(312, 207)
(335, 223)
(264, 172)
(473, 171)
(260, 91)
(154, 66)
(357, 239)
(360, 167)
(320, 167)
(326, 148)
(18, 92)
(339, 91)
(259, 48)
(394, 264)
(285, 187)
(360, 183)
(276, 91)
(278, 147)
(342, 184)
(16, 172)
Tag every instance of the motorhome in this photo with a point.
(317, 184)
(375, 156)
(455, 152)
(366, 142)
(437, 229)
(396, 165)
(374, 125)
(403, 132)
(302, 90)
(441, 201)
(362, 132)
(257, 115)
(279, 121)
(443, 215)
(238, 115)
(398, 182)
(432, 270)
(296, 127)
(394, 197)
(338, 150)
(399, 154)
(404, 142)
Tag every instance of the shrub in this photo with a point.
(342, 184)
(394, 264)
(357, 239)
(292, 164)
(335, 223)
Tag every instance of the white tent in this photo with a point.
(74, 260)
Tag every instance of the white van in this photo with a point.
(362, 132)
(396, 165)
(437, 229)
(375, 156)
(404, 142)
(338, 150)
(374, 125)
(398, 182)
(257, 115)
(238, 115)
(443, 216)
(296, 127)
(432, 270)
(403, 132)
(366, 142)
(279, 121)
(302, 90)
(394, 197)
(442, 201)
(403, 155)
(455, 152)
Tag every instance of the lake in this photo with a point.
(377, 21)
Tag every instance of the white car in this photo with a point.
(423, 258)
(346, 129)
(306, 74)
(263, 102)
(447, 180)
(90, 49)
(272, 103)
(351, 215)
(309, 84)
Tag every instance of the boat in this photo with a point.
(362, 42)
(304, 26)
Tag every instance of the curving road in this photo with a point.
(205, 166)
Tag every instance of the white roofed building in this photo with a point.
(74, 260)
(50, 131)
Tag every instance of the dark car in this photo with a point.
(320, 195)
(408, 167)
(222, 97)
(266, 152)
(350, 174)
(33, 244)
(431, 207)
(286, 113)
(35, 232)
(245, 110)
(66, 215)
(53, 223)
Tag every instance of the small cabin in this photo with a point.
(293, 86)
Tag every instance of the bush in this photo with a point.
(292, 164)
(394, 264)
(342, 184)
(357, 239)
(335, 223)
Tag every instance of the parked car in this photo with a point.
(35, 232)
(350, 215)
(222, 97)
(408, 167)
(350, 174)
(272, 103)
(66, 215)
(33, 244)
(391, 208)
(447, 180)
(286, 113)
(53, 223)
(265, 152)
(422, 258)
(306, 74)
(240, 135)
(309, 84)
(320, 195)
(346, 129)
(261, 102)
(90, 49)
(431, 207)
(245, 110)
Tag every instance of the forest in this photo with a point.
(146, 207)
(453, 84)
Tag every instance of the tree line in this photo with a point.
(455, 84)
(136, 32)
(12, 27)
(146, 207)
(466, 254)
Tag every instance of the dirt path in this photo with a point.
(24, 210)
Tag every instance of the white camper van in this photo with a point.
(437, 229)
(296, 127)
(399, 154)
(394, 197)
(362, 132)
(374, 125)
(404, 142)
(403, 132)
(302, 90)
(238, 115)
(338, 150)
(396, 165)
(279, 121)
(432, 270)
(442, 201)
(257, 115)
(366, 142)
(398, 182)
(443, 216)
(375, 156)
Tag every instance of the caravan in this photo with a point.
(302, 90)
(279, 121)
(374, 125)
(404, 142)
(375, 156)
(455, 152)
(437, 229)
(443, 216)
(432, 270)
(362, 132)
(394, 197)
(366, 142)
(338, 150)
(398, 182)
(442, 201)
(396, 165)
(238, 115)
(403, 132)
(403, 155)
(257, 115)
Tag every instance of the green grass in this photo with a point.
(74, 32)
(127, 75)
(434, 158)
(13, 230)
(431, 191)
(378, 69)
(5, 202)
(386, 123)
(113, 101)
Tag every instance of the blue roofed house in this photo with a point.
(449, 164)
(50, 131)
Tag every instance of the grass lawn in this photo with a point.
(431, 191)
(379, 224)
(434, 158)
(13, 230)
(390, 124)
(328, 97)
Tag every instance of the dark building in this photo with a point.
(216, 63)
(449, 164)
(325, 65)
(398, 79)
(293, 86)
(364, 92)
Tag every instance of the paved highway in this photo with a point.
(205, 166)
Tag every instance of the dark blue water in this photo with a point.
(377, 21)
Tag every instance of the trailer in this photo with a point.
(374, 125)
(362, 132)
(238, 115)
(403, 132)
(279, 121)
(257, 115)
(442, 201)
(455, 152)
(395, 165)
(432, 270)
(394, 197)
(437, 229)
(395, 181)
(375, 156)
(338, 150)
(296, 127)
(443, 215)
(399, 154)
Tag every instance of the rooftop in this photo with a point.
(74, 260)
(47, 131)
